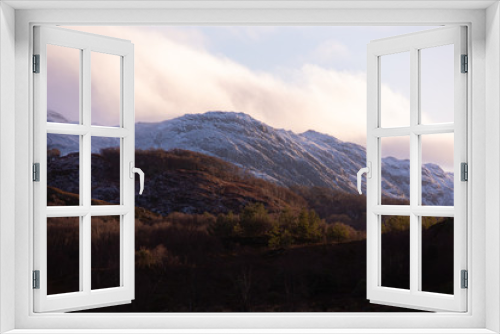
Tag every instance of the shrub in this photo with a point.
(395, 224)
(340, 232)
(224, 226)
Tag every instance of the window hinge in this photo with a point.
(464, 279)
(36, 172)
(465, 64)
(36, 279)
(36, 63)
(464, 172)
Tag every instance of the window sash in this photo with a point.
(414, 298)
(85, 298)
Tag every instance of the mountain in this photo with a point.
(287, 158)
(276, 155)
(54, 116)
(280, 156)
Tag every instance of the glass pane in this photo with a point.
(395, 252)
(105, 252)
(395, 90)
(437, 169)
(63, 255)
(395, 153)
(105, 171)
(437, 254)
(106, 89)
(437, 82)
(63, 170)
(63, 84)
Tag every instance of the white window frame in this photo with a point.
(483, 314)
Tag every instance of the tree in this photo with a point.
(274, 237)
(279, 237)
(255, 220)
(309, 227)
(302, 228)
(287, 219)
(315, 227)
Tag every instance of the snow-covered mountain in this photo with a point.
(277, 155)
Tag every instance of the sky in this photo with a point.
(292, 77)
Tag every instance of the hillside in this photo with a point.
(195, 183)
(177, 181)
(336, 206)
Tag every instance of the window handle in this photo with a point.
(368, 171)
(139, 171)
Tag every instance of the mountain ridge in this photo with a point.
(281, 156)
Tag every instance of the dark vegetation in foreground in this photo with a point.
(226, 241)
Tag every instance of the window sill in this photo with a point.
(250, 331)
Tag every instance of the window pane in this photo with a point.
(395, 90)
(437, 84)
(106, 171)
(437, 169)
(63, 255)
(106, 89)
(437, 254)
(63, 84)
(63, 170)
(395, 251)
(105, 252)
(395, 153)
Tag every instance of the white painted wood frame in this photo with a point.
(415, 297)
(483, 314)
(86, 43)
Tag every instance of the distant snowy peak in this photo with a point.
(211, 118)
(222, 116)
(53, 116)
(284, 157)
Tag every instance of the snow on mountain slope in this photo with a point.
(280, 156)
